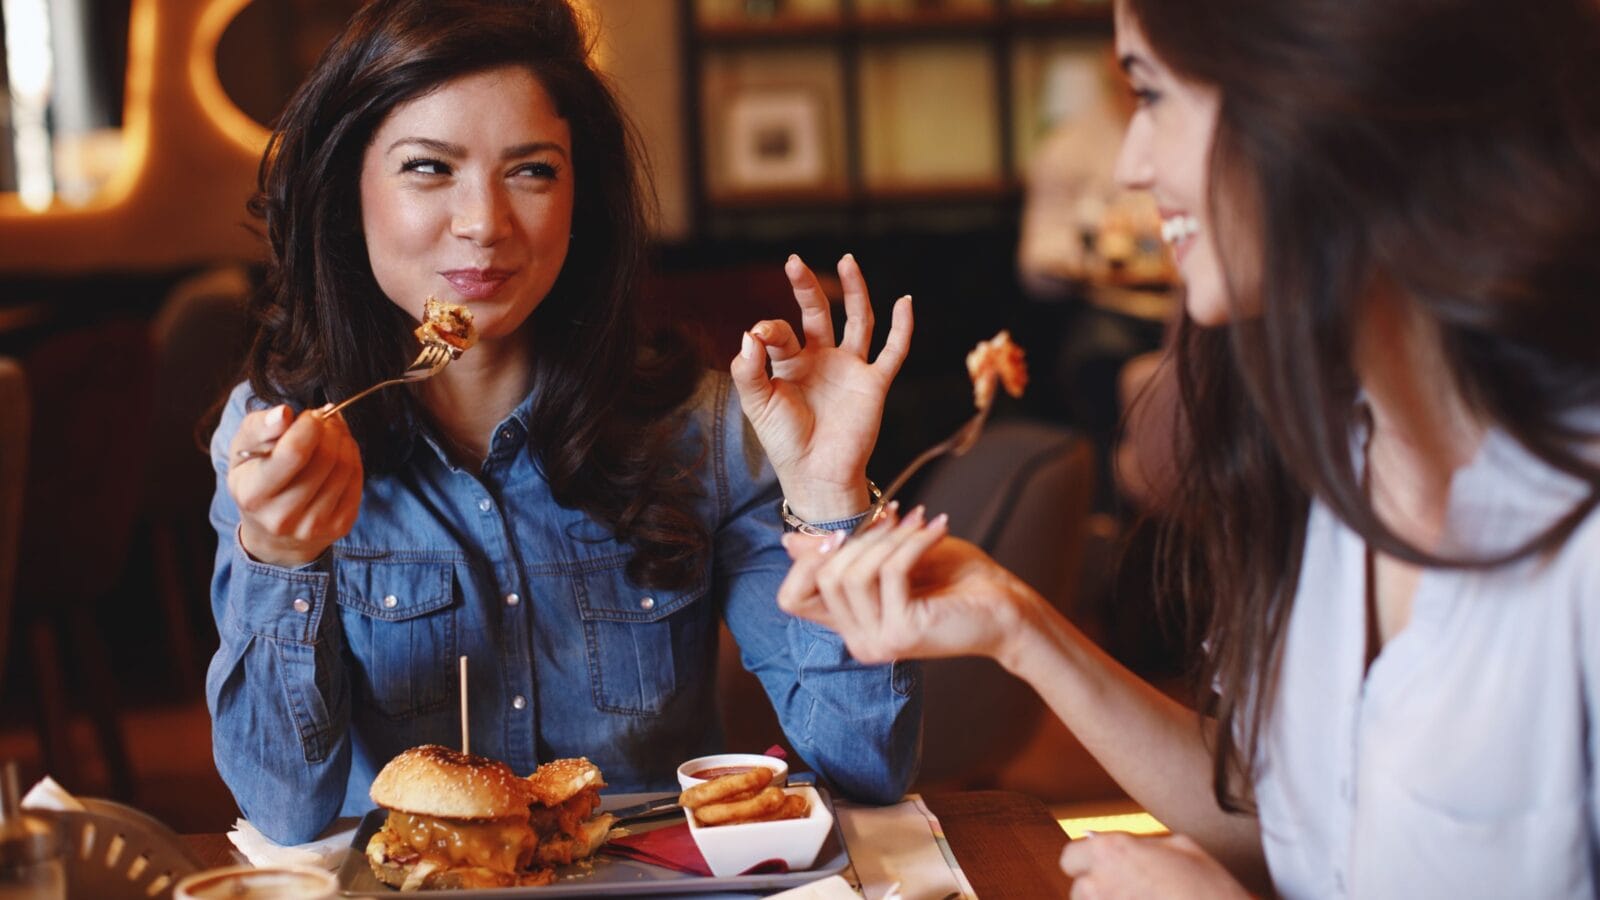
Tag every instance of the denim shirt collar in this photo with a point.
(510, 435)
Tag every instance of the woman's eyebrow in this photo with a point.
(433, 144)
(532, 147)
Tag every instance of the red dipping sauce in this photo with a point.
(719, 771)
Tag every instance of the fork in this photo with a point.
(434, 357)
(956, 445)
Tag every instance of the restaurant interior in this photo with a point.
(905, 132)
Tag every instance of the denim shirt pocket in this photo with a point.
(644, 645)
(400, 613)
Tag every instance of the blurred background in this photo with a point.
(961, 149)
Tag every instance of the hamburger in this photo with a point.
(564, 796)
(458, 820)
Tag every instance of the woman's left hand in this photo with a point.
(1114, 865)
(819, 412)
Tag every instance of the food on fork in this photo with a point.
(742, 797)
(447, 323)
(459, 820)
(996, 359)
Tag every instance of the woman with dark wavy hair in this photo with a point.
(1387, 215)
(572, 507)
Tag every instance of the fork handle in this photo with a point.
(900, 480)
(327, 413)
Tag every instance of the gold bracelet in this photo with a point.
(874, 509)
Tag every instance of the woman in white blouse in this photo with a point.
(1387, 213)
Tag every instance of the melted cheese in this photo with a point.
(504, 846)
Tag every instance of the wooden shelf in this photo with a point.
(782, 29)
(795, 198)
(966, 55)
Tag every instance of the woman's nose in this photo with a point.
(482, 215)
(1134, 170)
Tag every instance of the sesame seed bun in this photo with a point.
(436, 781)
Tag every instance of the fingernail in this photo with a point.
(747, 347)
(326, 406)
(849, 256)
(941, 520)
(921, 512)
(1090, 834)
(793, 257)
(284, 414)
(835, 541)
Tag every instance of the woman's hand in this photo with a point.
(1114, 866)
(818, 414)
(295, 501)
(906, 590)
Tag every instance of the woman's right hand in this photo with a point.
(295, 501)
(907, 590)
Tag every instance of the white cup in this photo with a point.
(689, 774)
(251, 883)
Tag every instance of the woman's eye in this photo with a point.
(541, 170)
(1144, 96)
(425, 166)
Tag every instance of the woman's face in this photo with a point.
(1166, 151)
(467, 194)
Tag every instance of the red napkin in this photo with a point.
(672, 847)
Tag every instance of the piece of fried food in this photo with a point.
(996, 359)
(725, 788)
(447, 323)
(795, 806)
(765, 803)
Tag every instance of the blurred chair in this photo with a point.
(15, 421)
(91, 391)
(1023, 495)
(199, 337)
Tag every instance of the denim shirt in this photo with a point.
(327, 671)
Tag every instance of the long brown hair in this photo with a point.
(1449, 148)
(605, 400)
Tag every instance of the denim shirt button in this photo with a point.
(390, 602)
(485, 504)
(506, 435)
(301, 604)
(512, 599)
(518, 702)
(647, 604)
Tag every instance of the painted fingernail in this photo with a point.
(284, 414)
(941, 520)
(747, 347)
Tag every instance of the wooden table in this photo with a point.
(1006, 843)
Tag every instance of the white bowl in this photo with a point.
(732, 849)
(686, 772)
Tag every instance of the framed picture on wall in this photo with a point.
(774, 139)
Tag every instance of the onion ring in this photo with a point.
(765, 803)
(725, 787)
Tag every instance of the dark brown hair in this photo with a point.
(606, 401)
(1447, 148)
